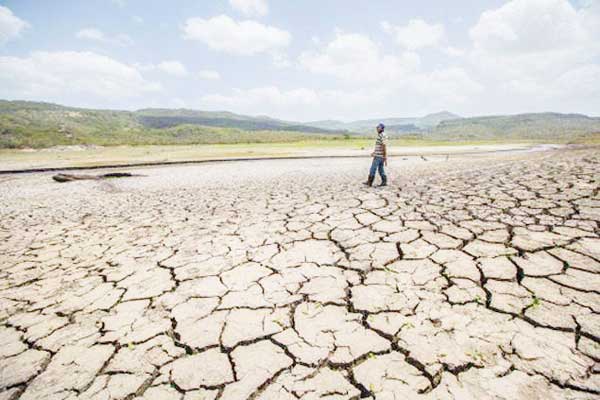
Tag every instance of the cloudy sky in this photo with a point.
(305, 60)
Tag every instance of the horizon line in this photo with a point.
(297, 121)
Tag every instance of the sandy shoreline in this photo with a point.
(94, 158)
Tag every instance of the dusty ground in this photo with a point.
(468, 278)
(85, 156)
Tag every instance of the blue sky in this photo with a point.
(305, 60)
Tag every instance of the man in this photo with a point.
(379, 157)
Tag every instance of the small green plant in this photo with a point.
(535, 303)
(407, 325)
(475, 355)
(389, 270)
(372, 388)
(280, 323)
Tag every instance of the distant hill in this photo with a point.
(522, 126)
(402, 128)
(447, 126)
(36, 124)
(165, 118)
(393, 125)
(432, 120)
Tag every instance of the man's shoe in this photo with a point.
(369, 181)
(383, 182)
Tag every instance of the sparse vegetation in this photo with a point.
(541, 127)
(40, 125)
(535, 303)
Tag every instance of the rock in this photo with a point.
(210, 368)
(22, 367)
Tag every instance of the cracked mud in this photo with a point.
(467, 278)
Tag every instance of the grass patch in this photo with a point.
(84, 155)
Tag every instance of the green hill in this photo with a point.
(448, 126)
(33, 124)
(165, 118)
(393, 125)
(542, 126)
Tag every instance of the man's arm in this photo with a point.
(385, 154)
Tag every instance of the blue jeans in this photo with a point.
(377, 165)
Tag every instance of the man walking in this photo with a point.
(379, 157)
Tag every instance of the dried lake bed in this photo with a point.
(472, 276)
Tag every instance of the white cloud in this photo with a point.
(258, 8)
(99, 36)
(271, 95)
(444, 86)
(11, 26)
(355, 58)
(531, 48)
(536, 36)
(120, 3)
(123, 40)
(209, 75)
(280, 60)
(91, 34)
(242, 38)
(137, 19)
(378, 83)
(257, 100)
(530, 27)
(70, 76)
(177, 103)
(417, 34)
(453, 51)
(299, 103)
(172, 67)
(431, 91)
(169, 67)
(579, 84)
(583, 81)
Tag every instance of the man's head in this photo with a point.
(380, 128)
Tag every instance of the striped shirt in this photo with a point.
(379, 143)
